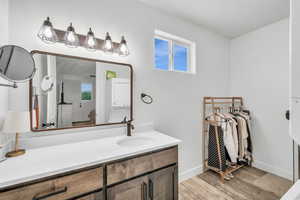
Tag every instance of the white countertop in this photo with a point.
(293, 193)
(47, 161)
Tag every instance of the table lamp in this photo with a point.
(16, 122)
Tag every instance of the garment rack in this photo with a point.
(217, 103)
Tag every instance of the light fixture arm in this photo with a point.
(14, 85)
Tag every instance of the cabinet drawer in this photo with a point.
(117, 172)
(59, 188)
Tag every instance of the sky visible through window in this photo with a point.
(161, 54)
(86, 87)
(180, 59)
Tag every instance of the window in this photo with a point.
(86, 91)
(173, 53)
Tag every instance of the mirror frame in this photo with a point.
(86, 59)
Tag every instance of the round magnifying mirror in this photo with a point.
(16, 64)
(47, 84)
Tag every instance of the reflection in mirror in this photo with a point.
(73, 92)
(47, 83)
(16, 64)
(113, 93)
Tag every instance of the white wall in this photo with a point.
(3, 41)
(4, 22)
(259, 64)
(177, 97)
(295, 46)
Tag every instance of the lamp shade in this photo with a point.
(16, 122)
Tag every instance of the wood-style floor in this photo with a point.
(248, 184)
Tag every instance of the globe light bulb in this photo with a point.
(108, 44)
(46, 33)
(71, 38)
(123, 48)
(90, 41)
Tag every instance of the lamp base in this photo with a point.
(16, 153)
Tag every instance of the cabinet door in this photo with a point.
(94, 196)
(135, 189)
(163, 184)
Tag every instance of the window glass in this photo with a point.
(180, 58)
(86, 91)
(161, 54)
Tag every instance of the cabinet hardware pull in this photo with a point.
(45, 196)
(151, 189)
(144, 191)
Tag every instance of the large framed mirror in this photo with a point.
(75, 92)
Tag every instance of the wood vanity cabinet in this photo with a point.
(136, 189)
(150, 176)
(163, 184)
(60, 188)
(159, 180)
(159, 185)
(93, 196)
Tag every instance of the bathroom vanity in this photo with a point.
(144, 166)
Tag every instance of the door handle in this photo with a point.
(145, 191)
(47, 195)
(151, 189)
(287, 114)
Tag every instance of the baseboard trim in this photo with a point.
(190, 173)
(274, 170)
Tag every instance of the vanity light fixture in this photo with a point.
(71, 38)
(47, 33)
(123, 48)
(90, 41)
(108, 44)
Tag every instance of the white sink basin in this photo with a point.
(134, 141)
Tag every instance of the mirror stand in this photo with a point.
(14, 85)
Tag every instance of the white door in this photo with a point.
(295, 70)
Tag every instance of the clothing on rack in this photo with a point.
(246, 144)
(213, 156)
(228, 135)
(236, 140)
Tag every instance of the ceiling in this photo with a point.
(231, 18)
(76, 67)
